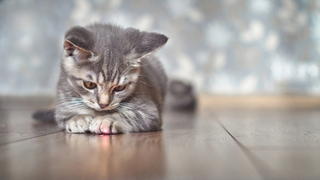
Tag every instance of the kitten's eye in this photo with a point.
(89, 85)
(119, 88)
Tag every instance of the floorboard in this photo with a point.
(17, 125)
(285, 141)
(216, 144)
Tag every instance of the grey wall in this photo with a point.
(221, 46)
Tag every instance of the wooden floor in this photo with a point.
(211, 144)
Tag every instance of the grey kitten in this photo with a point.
(109, 82)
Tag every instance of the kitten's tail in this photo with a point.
(45, 116)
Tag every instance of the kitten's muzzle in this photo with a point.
(106, 107)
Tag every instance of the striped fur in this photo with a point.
(109, 56)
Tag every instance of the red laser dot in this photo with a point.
(105, 130)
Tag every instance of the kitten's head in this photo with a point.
(103, 62)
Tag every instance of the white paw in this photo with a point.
(104, 125)
(79, 124)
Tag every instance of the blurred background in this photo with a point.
(223, 47)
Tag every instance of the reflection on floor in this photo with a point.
(216, 144)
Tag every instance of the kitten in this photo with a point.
(109, 82)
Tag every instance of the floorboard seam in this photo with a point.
(264, 170)
(16, 141)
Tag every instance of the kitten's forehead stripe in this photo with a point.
(112, 67)
(114, 75)
(103, 75)
(109, 65)
(118, 78)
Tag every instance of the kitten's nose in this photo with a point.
(103, 105)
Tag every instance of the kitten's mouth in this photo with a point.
(108, 108)
(97, 108)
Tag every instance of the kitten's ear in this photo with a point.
(148, 43)
(79, 54)
(77, 43)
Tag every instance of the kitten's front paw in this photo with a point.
(104, 125)
(79, 124)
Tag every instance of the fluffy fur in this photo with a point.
(110, 56)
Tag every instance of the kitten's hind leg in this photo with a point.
(79, 124)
